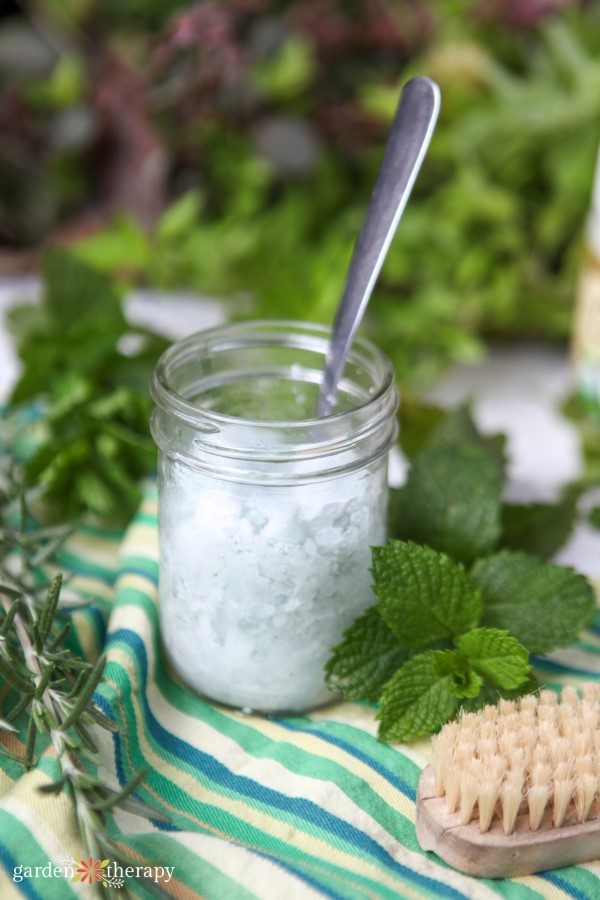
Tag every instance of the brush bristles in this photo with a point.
(522, 758)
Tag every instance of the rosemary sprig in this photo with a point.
(49, 682)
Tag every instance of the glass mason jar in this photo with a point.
(267, 515)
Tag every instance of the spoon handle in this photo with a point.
(406, 147)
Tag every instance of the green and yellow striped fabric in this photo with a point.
(288, 808)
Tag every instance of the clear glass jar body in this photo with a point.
(266, 514)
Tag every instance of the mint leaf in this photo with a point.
(538, 528)
(491, 693)
(465, 680)
(423, 425)
(594, 516)
(496, 655)
(418, 422)
(458, 429)
(423, 596)
(81, 321)
(75, 293)
(416, 701)
(366, 657)
(542, 605)
(451, 502)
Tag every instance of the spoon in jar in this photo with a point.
(406, 147)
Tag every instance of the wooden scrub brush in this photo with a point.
(515, 788)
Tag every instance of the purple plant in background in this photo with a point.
(522, 13)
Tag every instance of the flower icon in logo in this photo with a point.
(92, 870)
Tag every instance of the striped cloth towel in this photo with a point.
(298, 807)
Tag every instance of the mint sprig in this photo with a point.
(427, 690)
(456, 612)
(422, 649)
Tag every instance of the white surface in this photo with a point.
(517, 390)
(12, 291)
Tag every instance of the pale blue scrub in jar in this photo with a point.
(266, 514)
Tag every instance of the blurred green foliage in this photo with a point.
(87, 370)
(271, 119)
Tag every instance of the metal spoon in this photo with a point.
(406, 147)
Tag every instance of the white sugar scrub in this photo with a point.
(258, 584)
(267, 515)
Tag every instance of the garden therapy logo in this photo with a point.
(111, 874)
(94, 871)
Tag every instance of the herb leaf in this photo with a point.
(451, 502)
(366, 657)
(92, 444)
(496, 655)
(542, 605)
(423, 596)
(416, 700)
(539, 528)
(80, 321)
(466, 682)
(458, 429)
(465, 634)
(418, 422)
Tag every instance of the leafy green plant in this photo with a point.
(490, 242)
(222, 96)
(90, 445)
(456, 613)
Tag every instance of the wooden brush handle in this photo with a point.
(494, 854)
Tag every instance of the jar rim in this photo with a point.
(246, 333)
(279, 450)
